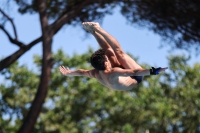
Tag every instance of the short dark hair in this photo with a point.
(97, 59)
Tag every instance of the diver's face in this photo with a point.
(107, 63)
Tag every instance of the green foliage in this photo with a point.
(177, 21)
(169, 102)
(18, 91)
(92, 10)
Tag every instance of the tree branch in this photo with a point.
(55, 27)
(14, 41)
(12, 23)
(13, 57)
(68, 15)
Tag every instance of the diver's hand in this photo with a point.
(64, 71)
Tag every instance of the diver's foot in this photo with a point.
(90, 26)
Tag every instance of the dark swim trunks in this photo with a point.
(137, 78)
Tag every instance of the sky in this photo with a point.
(140, 42)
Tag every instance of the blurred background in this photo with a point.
(38, 36)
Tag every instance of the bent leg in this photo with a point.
(101, 41)
(109, 51)
(104, 45)
(125, 60)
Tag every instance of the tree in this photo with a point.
(61, 13)
(176, 21)
(165, 103)
(183, 32)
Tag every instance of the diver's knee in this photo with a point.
(110, 52)
(120, 52)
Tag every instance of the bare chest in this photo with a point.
(116, 83)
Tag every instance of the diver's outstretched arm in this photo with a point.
(80, 72)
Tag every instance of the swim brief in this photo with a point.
(137, 78)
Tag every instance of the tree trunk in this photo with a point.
(36, 107)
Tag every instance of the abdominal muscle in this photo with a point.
(119, 83)
(124, 83)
